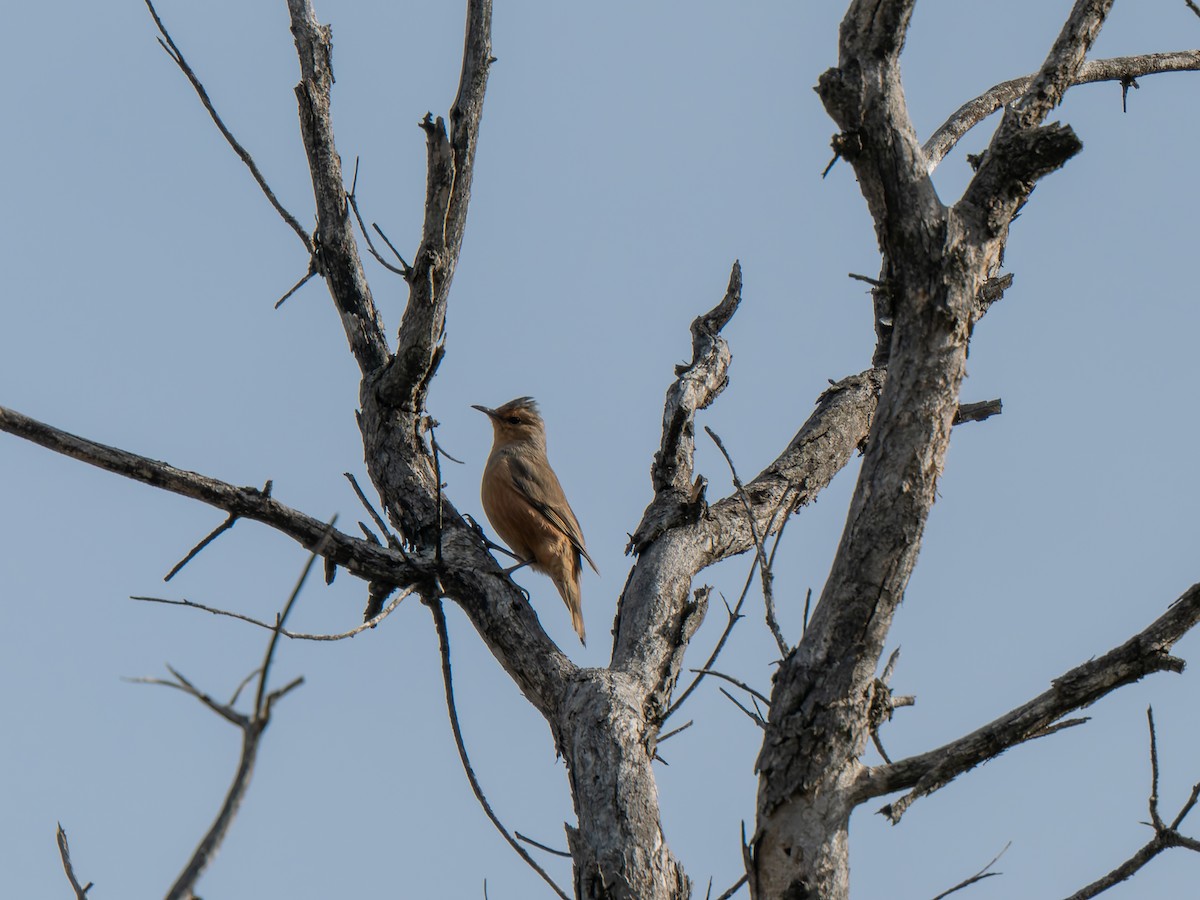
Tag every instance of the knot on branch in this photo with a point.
(848, 145)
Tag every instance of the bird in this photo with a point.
(525, 503)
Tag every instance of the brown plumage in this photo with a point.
(526, 505)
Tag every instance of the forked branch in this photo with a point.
(252, 726)
(1165, 836)
(450, 172)
(1119, 69)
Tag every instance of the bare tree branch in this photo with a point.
(451, 165)
(293, 635)
(375, 517)
(540, 845)
(1023, 150)
(339, 259)
(352, 199)
(735, 615)
(252, 727)
(745, 687)
(977, 412)
(1165, 836)
(358, 556)
(755, 717)
(208, 539)
(64, 852)
(177, 55)
(971, 113)
(439, 621)
(764, 565)
(674, 731)
(978, 876)
(677, 499)
(1143, 654)
(737, 886)
(304, 279)
(936, 263)
(826, 442)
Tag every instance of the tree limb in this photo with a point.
(450, 171)
(1143, 654)
(1023, 150)
(1118, 68)
(697, 384)
(253, 726)
(338, 251)
(64, 852)
(360, 557)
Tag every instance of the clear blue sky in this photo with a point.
(630, 152)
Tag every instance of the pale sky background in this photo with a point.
(630, 152)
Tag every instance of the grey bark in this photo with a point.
(939, 274)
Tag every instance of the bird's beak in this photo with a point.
(483, 409)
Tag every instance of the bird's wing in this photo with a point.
(545, 494)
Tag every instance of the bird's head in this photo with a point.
(516, 421)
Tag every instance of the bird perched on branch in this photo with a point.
(526, 505)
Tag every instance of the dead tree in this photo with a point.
(941, 270)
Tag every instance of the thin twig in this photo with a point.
(764, 567)
(403, 273)
(1192, 6)
(293, 635)
(745, 687)
(754, 717)
(312, 270)
(177, 55)
(875, 739)
(675, 731)
(64, 851)
(212, 536)
(391, 247)
(253, 727)
(1165, 836)
(242, 685)
(737, 886)
(1155, 818)
(262, 701)
(978, 876)
(540, 845)
(439, 621)
(375, 517)
(734, 615)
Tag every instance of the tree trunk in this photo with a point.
(619, 849)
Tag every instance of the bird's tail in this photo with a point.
(569, 588)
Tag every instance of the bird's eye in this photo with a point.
(514, 420)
